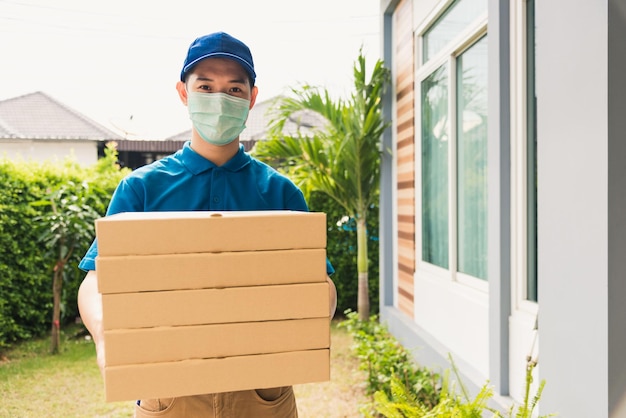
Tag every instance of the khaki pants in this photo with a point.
(261, 403)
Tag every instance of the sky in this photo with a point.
(118, 61)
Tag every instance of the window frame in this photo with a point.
(519, 161)
(524, 312)
(472, 33)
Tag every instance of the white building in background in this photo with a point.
(37, 127)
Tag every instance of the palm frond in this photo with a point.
(342, 158)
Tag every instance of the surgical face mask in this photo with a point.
(218, 118)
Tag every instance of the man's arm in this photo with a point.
(333, 296)
(90, 308)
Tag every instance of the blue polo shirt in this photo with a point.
(187, 181)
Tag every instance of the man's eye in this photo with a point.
(206, 88)
(235, 90)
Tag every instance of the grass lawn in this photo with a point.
(34, 383)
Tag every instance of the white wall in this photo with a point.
(572, 146)
(85, 152)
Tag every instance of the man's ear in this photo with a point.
(253, 94)
(182, 92)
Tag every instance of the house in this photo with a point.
(133, 153)
(37, 127)
(503, 200)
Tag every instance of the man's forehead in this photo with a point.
(220, 65)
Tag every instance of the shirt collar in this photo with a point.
(197, 164)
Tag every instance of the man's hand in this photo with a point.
(333, 296)
(100, 353)
(90, 307)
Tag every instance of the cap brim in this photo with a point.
(246, 65)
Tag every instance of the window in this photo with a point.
(524, 155)
(531, 156)
(524, 295)
(453, 103)
(449, 25)
(472, 160)
(435, 129)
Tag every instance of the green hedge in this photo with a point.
(25, 268)
(341, 250)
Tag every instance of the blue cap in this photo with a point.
(219, 45)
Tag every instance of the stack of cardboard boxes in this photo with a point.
(208, 302)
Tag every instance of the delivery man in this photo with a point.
(211, 172)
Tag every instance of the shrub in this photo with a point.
(404, 404)
(401, 389)
(384, 358)
(341, 250)
(26, 270)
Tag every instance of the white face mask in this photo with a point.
(219, 118)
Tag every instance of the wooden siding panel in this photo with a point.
(406, 177)
(405, 111)
(406, 148)
(405, 165)
(404, 79)
(405, 154)
(406, 258)
(407, 195)
(407, 228)
(405, 292)
(408, 211)
(405, 138)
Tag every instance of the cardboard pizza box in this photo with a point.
(125, 274)
(213, 306)
(163, 344)
(216, 375)
(150, 233)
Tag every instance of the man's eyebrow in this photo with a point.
(235, 80)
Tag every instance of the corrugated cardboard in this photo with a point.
(149, 233)
(194, 377)
(162, 344)
(211, 306)
(123, 274)
(207, 302)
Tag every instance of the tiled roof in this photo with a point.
(39, 116)
(259, 119)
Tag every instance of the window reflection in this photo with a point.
(472, 160)
(435, 132)
(456, 18)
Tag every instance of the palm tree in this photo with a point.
(342, 159)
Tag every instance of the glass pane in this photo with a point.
(435, 135)
(458, 15)
(531, 155)
(471, 120)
